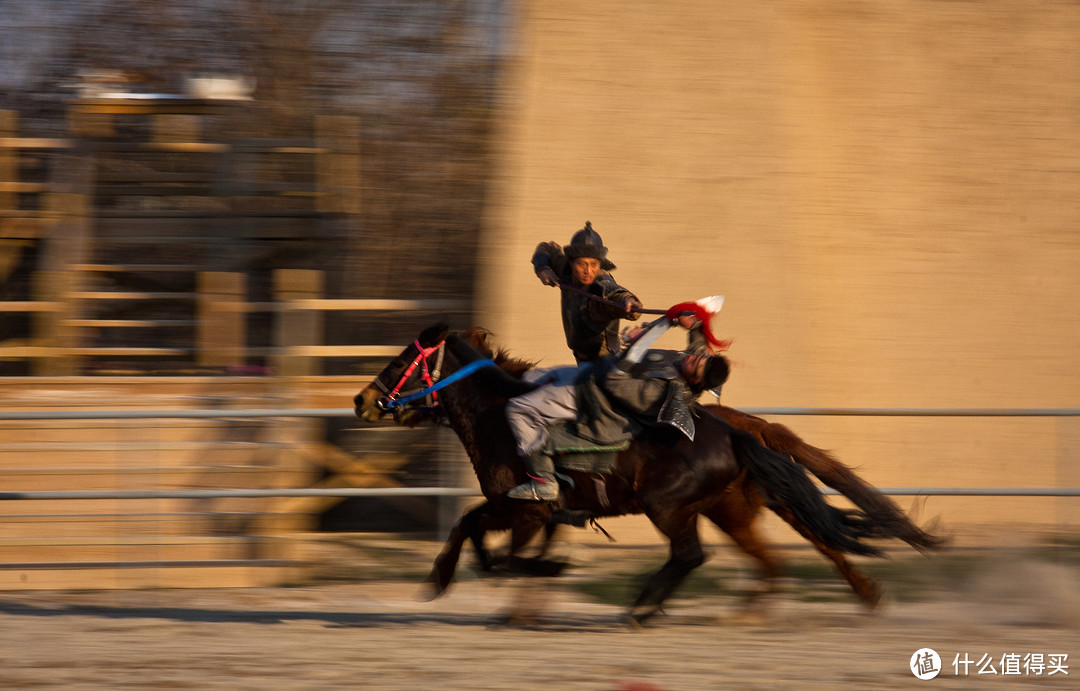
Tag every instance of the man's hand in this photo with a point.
(631, 334)
(633, 307)
(547, 276)
(687, 321)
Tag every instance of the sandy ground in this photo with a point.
(355, 625)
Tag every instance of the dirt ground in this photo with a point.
(360, 622)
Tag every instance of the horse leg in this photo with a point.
(533, 595)
(524, 529)
(735, 515)
(686, 555)
(475, 527)
(467, 527)
(866, 588)
(549, 537)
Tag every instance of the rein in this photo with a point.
(391, 401)
(700, 309)
(604, 301)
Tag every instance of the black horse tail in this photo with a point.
(884, 518)
(788, 490)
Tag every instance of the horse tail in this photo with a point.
(787, 489)
(885, 517)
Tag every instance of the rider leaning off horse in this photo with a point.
(611, 395)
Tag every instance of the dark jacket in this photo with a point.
(591, 327)
(617, 400)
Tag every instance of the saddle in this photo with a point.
(571, 452)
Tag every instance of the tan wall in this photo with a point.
(886, 193)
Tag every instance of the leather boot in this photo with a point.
(542, 485)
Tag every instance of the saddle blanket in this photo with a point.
(571, 452)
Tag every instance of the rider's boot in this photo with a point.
(542, 485)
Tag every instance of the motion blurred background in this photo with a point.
(249, 203)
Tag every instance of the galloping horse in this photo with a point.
(670, 480)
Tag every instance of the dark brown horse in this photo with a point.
(670, 479)
(735, 514)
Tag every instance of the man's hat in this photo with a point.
(588, 243)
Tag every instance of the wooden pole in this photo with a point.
(338, 164)
(221, 334)
(297, 327)
(9, 160)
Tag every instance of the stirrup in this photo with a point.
(536, 491)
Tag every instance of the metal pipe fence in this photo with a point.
(345, 492)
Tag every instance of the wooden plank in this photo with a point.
(313, 150)
(20, 227)
(30, 306)
(26, 352)
(127, 295)
(126, 352)
(313, 351)
(126, 323)
(120, 177)
(200, 188)
(35, 143)
(374, 304)
(147, 268)
(186, 147)
(187, 189)
(22, 187)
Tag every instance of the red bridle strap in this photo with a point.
(421, 361)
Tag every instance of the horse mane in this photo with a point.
(478, 337)
(505, 379)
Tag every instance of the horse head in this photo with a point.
(413, 368)
(436, 352)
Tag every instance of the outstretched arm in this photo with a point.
(548, 262)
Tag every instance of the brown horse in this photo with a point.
(671, 480)
(735, 515)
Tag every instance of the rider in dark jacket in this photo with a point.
(591, 327)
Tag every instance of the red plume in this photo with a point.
(703, 315)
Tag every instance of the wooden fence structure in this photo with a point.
(126, 249)
(125, 232)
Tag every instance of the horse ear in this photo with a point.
(433, 334)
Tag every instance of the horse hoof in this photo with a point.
(431, 590)
(519, 620)
(637, 616)
(877, 602)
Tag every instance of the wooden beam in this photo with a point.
(221, 334)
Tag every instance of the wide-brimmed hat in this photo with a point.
(588, 243)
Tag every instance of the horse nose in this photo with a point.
(360, 404)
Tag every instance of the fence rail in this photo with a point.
(463, 492)
(369, 492)
(348, 412)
